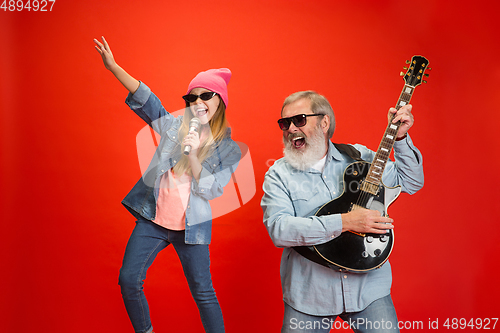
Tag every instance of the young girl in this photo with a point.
(171, 200)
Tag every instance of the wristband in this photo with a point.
(403, 137)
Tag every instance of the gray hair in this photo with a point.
(319, 105)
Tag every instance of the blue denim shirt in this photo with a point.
(215, 174)
(291, 198)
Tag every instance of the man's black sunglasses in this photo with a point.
(191, 98)
(298, 120)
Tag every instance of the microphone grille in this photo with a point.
(195, 122)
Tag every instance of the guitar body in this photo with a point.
(351, 251)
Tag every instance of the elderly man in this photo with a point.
(310, 175)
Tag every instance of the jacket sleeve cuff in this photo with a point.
(139, 98)
(333, 224)
(405, 146)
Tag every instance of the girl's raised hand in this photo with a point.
(105, 52)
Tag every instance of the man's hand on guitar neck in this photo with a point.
(363, 220)
(403, 115)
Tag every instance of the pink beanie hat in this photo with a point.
(215, 80)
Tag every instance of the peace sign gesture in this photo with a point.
(105, 52)
(126, 79)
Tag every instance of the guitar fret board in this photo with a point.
(374, 176)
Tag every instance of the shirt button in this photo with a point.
(162, 170)
(345, 276)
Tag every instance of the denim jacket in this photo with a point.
(215, 174)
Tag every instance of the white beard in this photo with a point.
(314, 150)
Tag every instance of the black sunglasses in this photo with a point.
(191, 98)
(298, 120)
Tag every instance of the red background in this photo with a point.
(68, 152)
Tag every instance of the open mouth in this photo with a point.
(299, 142)
(201, 112)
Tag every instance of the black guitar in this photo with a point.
(363, 188)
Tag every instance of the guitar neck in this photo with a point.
(374, 176)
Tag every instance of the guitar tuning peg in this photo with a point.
(429, 69)
(408, 61)
(401, 74)
(424, 81)
(405, 67)
(426, 75)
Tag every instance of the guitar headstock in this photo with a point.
(415, 74)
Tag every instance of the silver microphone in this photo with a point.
(194, 125)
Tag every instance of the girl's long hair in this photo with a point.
(218, 129)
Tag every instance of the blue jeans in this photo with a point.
(379, 316)
(146, 241)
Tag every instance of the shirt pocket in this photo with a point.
(304, 201)
(212, 163)
(171, 140)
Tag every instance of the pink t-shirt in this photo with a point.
(173, 200)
